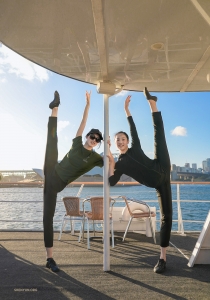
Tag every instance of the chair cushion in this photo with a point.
(134, 206)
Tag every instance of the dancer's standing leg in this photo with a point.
(164, 190)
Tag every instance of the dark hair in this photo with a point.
(95, 131)
(123, 132)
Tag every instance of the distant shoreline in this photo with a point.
(89, 184)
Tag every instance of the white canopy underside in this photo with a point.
(161, 44)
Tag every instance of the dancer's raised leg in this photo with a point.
(50, 194)
(164, 191)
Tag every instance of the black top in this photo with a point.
(136, 164)
(77, 161)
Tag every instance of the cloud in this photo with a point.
(62, 125)
(17, 139)
(2, 79)
(7, 119)
(66, 138)
(12, 63)
(122, 94)
(179, 131)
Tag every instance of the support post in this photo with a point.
(106, 229)
(180, 221)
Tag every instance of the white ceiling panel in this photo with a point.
(161, 44)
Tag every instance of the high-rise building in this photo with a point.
(174, 175)
(173, 167)
(187, 165)
(208, 164)
(204, 165)
(194, 166)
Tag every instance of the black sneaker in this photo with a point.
(56, 101)
(51, 264)
(148, 96)
(160, 266)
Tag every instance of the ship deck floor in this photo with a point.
(24, 276)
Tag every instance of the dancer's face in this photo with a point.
(121, 142)
(93, 140)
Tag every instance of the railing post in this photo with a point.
(180, 221)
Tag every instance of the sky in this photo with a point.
(27, 89)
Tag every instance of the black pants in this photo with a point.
(164, 189)
(53, 184)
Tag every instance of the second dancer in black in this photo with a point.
(153, 173)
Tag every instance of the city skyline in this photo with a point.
(194, 165)
(26, 90)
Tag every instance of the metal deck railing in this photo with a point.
(29, 212)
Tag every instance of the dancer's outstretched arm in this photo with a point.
(85, 116)
(134, 135)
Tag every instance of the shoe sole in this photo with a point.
(52, 270)
(159, 272)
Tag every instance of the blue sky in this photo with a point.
(27, 89)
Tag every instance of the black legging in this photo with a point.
(52, 184)
(164, 190)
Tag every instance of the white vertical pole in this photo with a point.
(106, 229)
(180, 221)
(178, 207)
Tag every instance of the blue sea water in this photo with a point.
(20, 211)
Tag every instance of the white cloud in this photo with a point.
(179, 131)
(2, 79)
(62, 125)
(122, 94)
(13, 63)
(7, 119)
(21, 149)
(66, 138)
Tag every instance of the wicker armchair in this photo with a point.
(73, 213)
(138, 209)
(95, 216)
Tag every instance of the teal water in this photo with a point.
(33, 210)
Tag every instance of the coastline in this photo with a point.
(92, 183)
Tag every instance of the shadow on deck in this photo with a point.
(24, 276)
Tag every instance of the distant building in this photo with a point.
(194, 166)
(187, 165)
(173, 167)
(208, 164)
(204, 165)
(174, 175)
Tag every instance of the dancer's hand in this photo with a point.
(110, 156)
(127, 102)
(88, 97)
(111, 159)
(109, 142)
(85, 115)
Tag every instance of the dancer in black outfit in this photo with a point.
(78, 161)
(152, 173)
